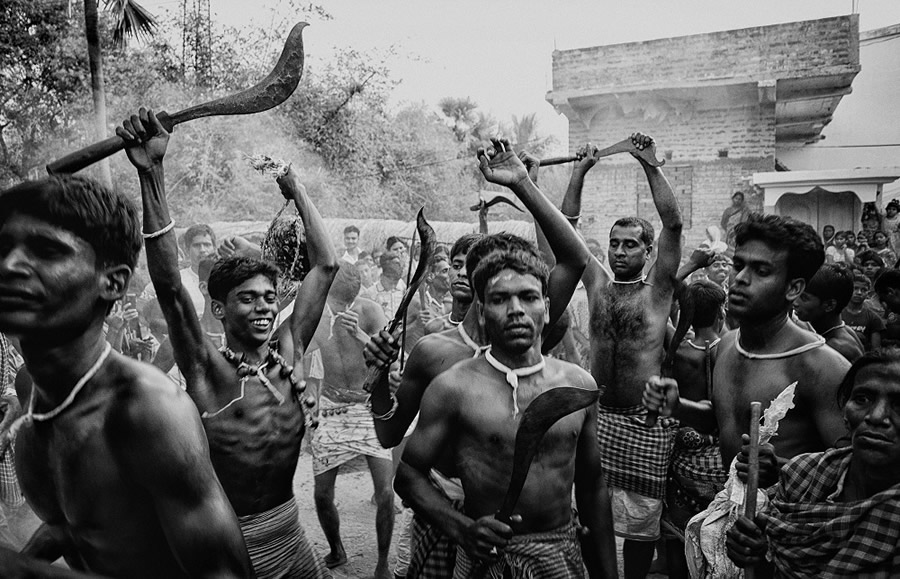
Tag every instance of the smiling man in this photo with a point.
(246, 392)
(110, 454)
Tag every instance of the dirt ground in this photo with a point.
(353, 496)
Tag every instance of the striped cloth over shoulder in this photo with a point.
(812, 535)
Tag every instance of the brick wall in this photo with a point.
(793, 49)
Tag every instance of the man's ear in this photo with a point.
(204, 288)
(795, 288)
(546, 310)
(218, 309)
(114, 282)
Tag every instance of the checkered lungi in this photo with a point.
(696, 474)
(811, 534)
(345, 431)
(634, 457)
(433, 554)
(551, 555)
(278, 547)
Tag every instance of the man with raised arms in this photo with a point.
(246, 393)
(629, 310)
(470, 414)
(463, 339)
(773, 260)
(110, 454)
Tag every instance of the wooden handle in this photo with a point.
(753, 461)
(557, 160)
(87, 156)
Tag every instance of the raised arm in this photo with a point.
(310, 301)
(669, 250)
(146, 141)
(500, 165)
(162, 446)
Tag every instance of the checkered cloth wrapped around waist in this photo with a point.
(552, 555)
(696, 457)
(433, 554)
(810, 535)
(634, 457)
(278, 547)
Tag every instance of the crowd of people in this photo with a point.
(154, 412)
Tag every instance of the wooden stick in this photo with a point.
(752, 472)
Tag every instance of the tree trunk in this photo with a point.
(95, 59)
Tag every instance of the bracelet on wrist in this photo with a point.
(159, 232)
(387, 415)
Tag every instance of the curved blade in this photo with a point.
(268, 93)
(429, 243)
(495, 197)
(543, 412)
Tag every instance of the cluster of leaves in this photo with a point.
(359, 155)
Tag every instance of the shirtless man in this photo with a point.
(246, 392)
(773, 260)
(475, 427)
(629, 311)
(345, 428)
(464, 338)
(821, 304)
(110, 454)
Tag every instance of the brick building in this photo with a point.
(718, 104)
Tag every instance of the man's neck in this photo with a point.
(388, 283)
(472, 327)
(436, 295)
(707, 334)
(756, 335)
(864, 481)
(459, 311)
(55, 368)
(352, 252)
(530, 357)
(827, 322)
(252, 354)
(854, 308)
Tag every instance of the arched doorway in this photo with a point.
(819, 208)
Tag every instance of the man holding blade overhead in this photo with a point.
(246, 392)
(476, 428)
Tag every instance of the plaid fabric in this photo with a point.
(278, 547)
(811, 536)
(551, 555)
(696, 474)
(433, 553)
(635, 458)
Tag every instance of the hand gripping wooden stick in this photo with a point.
(648, 154)
(752, 472)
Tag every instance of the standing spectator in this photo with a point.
(828, 235)
(881, 247)
(738, 212)
(860, 317)
(890, 224)
(199, 242)
(388, 290)
(351, 244)
(839, 252)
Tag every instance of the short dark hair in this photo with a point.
(105, 219)
(804, 247)
(833, 281)
(860, 277)
(736, 193)
(387, 256)
(347, 283)
(889, 279)
(708, 298)
(501, 241)
(522, 262)
(882, 356)
(392, 240)
(351, 229)
(230, 272)
(871, 255)
(464, 244)
(196, 231)
(647, 232)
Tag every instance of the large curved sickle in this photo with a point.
(268, 93)
(429, 241)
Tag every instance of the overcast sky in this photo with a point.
(498, 52)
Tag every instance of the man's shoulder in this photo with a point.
(575, 375)
(144, 394)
